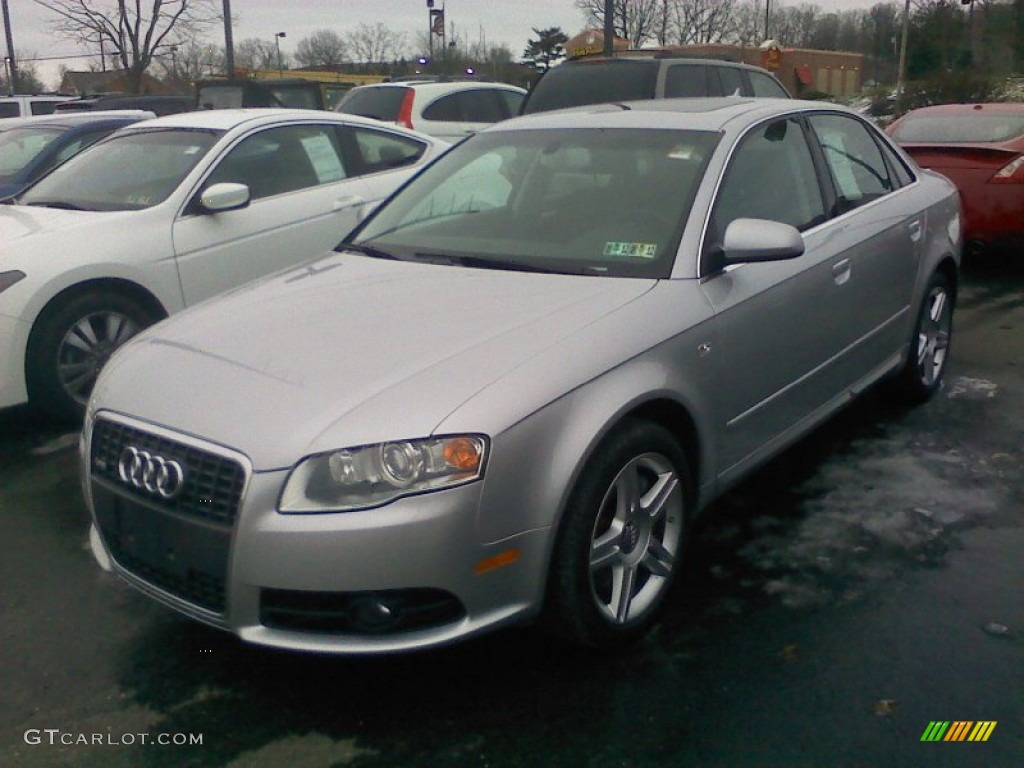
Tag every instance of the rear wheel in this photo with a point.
(621, 539)
(71, 342)
(922, 375)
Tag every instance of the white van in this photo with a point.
(25, 106)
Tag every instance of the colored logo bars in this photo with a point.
(959, 730)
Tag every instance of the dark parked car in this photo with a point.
(32, 146)
(980, 147)
(601, 80)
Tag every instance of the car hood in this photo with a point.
(347, 351)
(21, 223)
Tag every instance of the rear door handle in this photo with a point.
(347, 202)
(915, 231)
(841, 271)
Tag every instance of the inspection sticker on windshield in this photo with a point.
(636, 250)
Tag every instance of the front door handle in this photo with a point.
(841, 271)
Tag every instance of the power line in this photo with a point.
(55, 58)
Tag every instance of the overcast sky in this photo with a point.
(498, 21)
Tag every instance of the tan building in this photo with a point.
(112, 81)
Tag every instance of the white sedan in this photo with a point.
(169, 212)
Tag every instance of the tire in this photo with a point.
(621, 539)
(71, 341)
(922, 374)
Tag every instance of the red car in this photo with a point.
(980, 147)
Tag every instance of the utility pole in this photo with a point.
(12, 64)
(609, 27)
(229, 44)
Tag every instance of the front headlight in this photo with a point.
(372, 475)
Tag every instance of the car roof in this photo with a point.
(441, 85)
(74, 119)
(654, 58)
(702, 114)
(226, 119)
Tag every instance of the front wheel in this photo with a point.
(929, 346)
(71, 341)
(621, 538)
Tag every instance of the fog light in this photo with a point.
(371, 614)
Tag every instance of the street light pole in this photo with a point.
(277, 41)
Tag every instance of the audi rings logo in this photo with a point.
(149, 472)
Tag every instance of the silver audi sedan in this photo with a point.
(507, 395)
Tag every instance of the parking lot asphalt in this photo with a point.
(863, 585)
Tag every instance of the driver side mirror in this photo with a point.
(226, 196)
(753, 240)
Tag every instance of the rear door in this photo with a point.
(882, 228)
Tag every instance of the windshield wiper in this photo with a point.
(480, 262)
(369, 250)
(63, 205)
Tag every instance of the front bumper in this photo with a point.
(13, 342)
(412, 574)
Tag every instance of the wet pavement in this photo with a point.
(866, 583)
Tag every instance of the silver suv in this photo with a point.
(597, 81)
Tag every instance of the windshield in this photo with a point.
(19, 146)
(127, 172)
(965, 128)
(584, 201)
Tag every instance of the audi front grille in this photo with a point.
(210, 490)
(166, 507)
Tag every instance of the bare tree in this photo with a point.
(255, 53)
(323, 48)
(376, 43)
(747, 23)
(691, 22)
(638, 21)
(133, 34)
(191, 60)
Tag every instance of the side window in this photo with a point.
(771, 176)
(382, 151)
(43, 107)
(682, 80)
(765, 86)
(854, 159)
(732, 82)
(480, 106)
(446, 109)
(282, 160)
(512, 101)
(9, 109)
